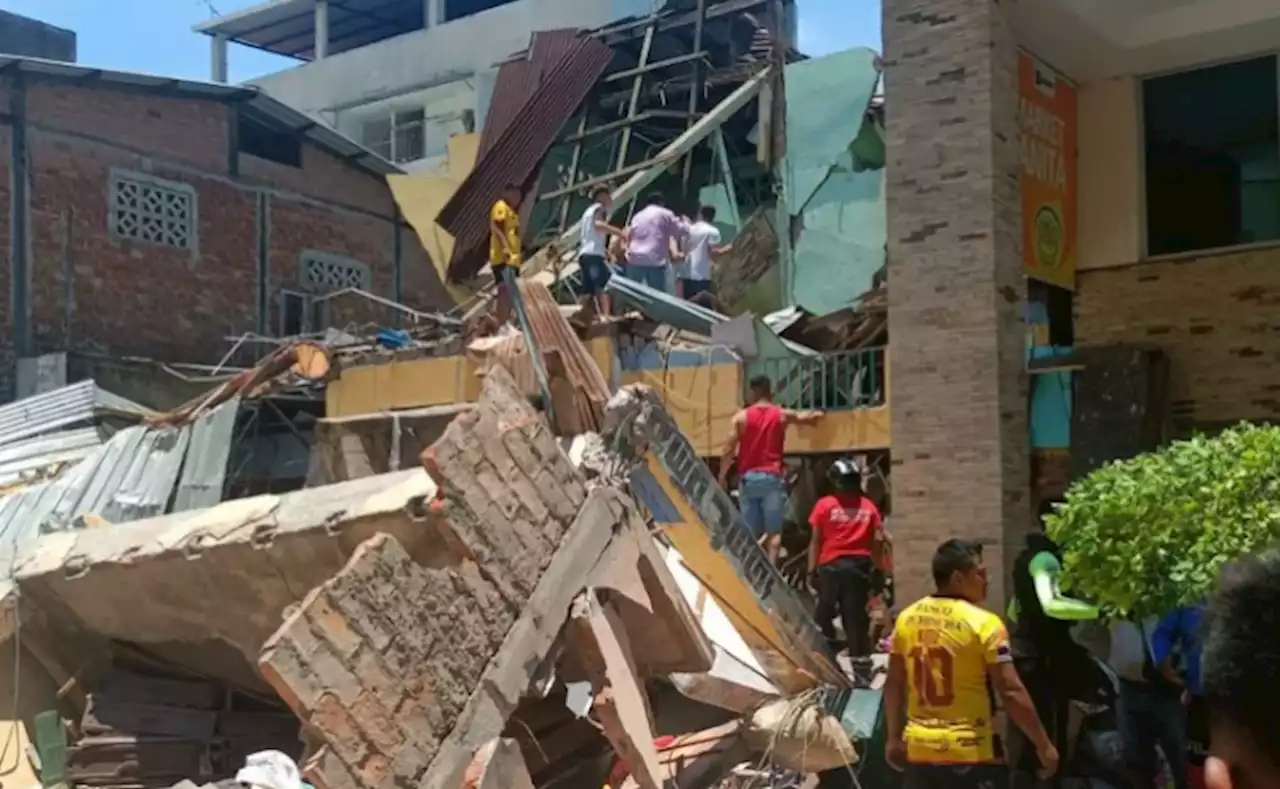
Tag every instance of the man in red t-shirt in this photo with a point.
(847, 536)
(757, 442)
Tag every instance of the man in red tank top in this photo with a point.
(757, 440)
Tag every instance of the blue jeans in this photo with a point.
(653, 276)
(763, 498)
(595, 273)
(1150, 717)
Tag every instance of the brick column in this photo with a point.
(959, 403)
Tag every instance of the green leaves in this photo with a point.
(1148, 534)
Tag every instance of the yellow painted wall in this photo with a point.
(35, 692)
(419, 383)
(704, 399)
(1110, 171)
(421, 196)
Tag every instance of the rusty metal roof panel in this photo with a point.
(515, 83)
(519, 150)
(553, 332)
(518, 80)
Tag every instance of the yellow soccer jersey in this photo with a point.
(947, 645)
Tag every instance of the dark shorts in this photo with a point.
(955, 776)
(694, 287)
(500, 273)
(595, 273)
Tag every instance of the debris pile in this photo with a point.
(414, 549)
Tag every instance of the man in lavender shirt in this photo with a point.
(649, 238)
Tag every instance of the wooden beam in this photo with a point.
(696, 56)
(695, 91)
(622, 123)
(600, 179)
(646, 175)
(636, 90)
(574, 161)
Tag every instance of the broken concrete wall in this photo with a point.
(354, 447)
(207, 588)
(405, 670)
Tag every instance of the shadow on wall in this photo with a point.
(421, 196)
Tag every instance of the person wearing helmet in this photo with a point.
(847, 529)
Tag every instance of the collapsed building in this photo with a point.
(208, 559)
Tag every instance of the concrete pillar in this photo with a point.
(322, 29)
(218, 58)
(956, 284)
(434, 11)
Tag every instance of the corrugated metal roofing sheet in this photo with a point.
(553, 333)
(519, 151)
(50, 411)
(32, 454)
(205, 470)
(132, 476)
(517, 81)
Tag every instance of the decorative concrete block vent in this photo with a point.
(405, 670)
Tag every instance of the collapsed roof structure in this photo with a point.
(706, 103)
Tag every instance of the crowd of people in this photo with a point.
(949, 657)
(1194, 685)
(658, 247)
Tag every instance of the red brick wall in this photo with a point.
(92, 291)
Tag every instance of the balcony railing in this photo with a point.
(841, 381)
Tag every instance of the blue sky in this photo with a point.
(155, 36)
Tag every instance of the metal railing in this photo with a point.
(840, 381)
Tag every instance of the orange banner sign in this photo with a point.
(1047, 132)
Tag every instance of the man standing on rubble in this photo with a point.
(505, 252)
(595, 232)
(701, 245)
(848, 536)
(757, 440)
(654, 230)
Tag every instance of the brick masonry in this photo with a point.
(93, 292)
(1215, 317)
(382, 659)
(956, 284)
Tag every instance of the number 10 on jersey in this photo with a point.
(933, 674)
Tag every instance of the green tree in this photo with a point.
(1142, 536)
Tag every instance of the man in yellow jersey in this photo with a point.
(947, 656)
(504, 246)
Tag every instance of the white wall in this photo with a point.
(414, 61)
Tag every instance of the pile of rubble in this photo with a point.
(507, 617)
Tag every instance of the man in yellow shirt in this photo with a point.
(946, 657)
(505, 255)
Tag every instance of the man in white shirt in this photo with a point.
(701, 244)
(595, 230)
